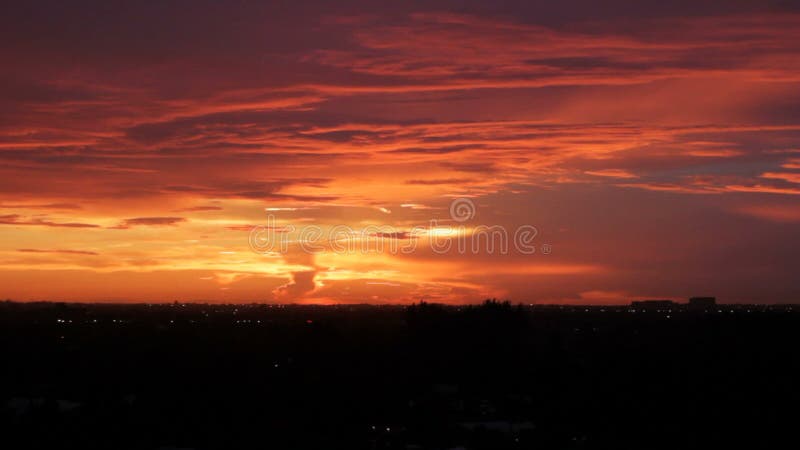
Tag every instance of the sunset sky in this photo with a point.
(655, 148)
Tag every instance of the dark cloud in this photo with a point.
(16, 219)
(301, 284)
(394, 235)
(151, 222)
(446, 181)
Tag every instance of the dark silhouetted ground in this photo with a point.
(493, 377)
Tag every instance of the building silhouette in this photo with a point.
(653, 304)
(702, 302)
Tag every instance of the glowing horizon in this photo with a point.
(656, 152)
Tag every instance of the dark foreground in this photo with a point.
(490, 377)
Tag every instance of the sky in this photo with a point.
(149, 151)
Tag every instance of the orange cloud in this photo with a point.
(62, 251)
